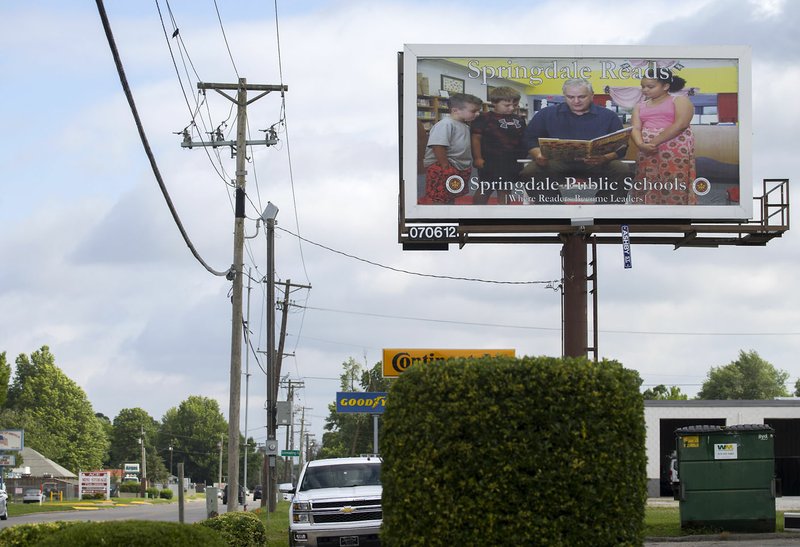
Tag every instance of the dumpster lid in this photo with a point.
(696, 429)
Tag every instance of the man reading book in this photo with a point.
(577, 118)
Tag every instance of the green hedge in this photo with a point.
(530, 451)
(130, 533)
(23, 535)
(152, 492)
(130, 487)
(241, 529)
(166, 494)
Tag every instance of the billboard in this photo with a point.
(12, 439)
(396, 361)
(510, 132)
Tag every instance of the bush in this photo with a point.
(133, 533)
(530, 451)
(240, 529)
(131, 487)
(152, 492)
(23, 535)
(165, 494)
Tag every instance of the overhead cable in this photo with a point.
(129, 96)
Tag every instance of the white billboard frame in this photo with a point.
(414, 211)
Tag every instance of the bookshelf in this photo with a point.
(431, 109)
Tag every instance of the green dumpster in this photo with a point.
(727, 477)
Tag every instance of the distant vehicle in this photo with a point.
(225, 495)
(286, 488)
(3, 504)
(32, 495)
(257, 492)
(130, 478)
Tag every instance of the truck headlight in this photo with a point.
(300, 518)
(301, 506)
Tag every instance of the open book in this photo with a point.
(574, 149)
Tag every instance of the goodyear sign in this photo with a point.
(361, 402)
(396, 361)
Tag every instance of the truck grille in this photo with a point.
(327, 518)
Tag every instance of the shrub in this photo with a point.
(530, 451)
(133, 533)
(132, 487)
(23, 535)
(166, 494)
(152, 492)
(240, 529)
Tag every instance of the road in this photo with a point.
(194, 511)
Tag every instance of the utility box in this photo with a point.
(727, 477)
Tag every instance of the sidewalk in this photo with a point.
(785, 539)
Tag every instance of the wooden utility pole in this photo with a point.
(236, 274)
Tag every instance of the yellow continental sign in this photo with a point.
(396, 361)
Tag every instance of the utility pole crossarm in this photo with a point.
(247, 87)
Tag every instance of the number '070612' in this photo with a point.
(432, 232)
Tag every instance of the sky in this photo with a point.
(93, 266)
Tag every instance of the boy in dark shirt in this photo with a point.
(497, 144)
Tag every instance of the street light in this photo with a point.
(270, 487)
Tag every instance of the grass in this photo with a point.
(277, 524)
(666, 522)
(16, 509)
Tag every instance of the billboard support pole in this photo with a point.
(573, 255)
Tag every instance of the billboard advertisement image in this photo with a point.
(565, 132)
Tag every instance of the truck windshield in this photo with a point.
(340, 476)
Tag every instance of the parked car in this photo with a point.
(257, 492)
(32, 495)
(3, 504)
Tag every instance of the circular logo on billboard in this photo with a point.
(701, 186)
(454, 184)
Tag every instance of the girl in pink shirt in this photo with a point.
(665, 142)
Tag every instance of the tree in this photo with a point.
(797, 388)
(749, 377)
(194, 429)
(132, 426)
(664, 393)
(5, 376)
(255, 461)
(349, 434)
(54, 412)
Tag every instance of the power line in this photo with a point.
(409, 272)
(129, 96)
(225, 37)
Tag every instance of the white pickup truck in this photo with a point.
(337, 503)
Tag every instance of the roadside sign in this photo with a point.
(12, 439)
(131, 468)
(361, 402)
(290, 453)
(626, 246)
(396, 361)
